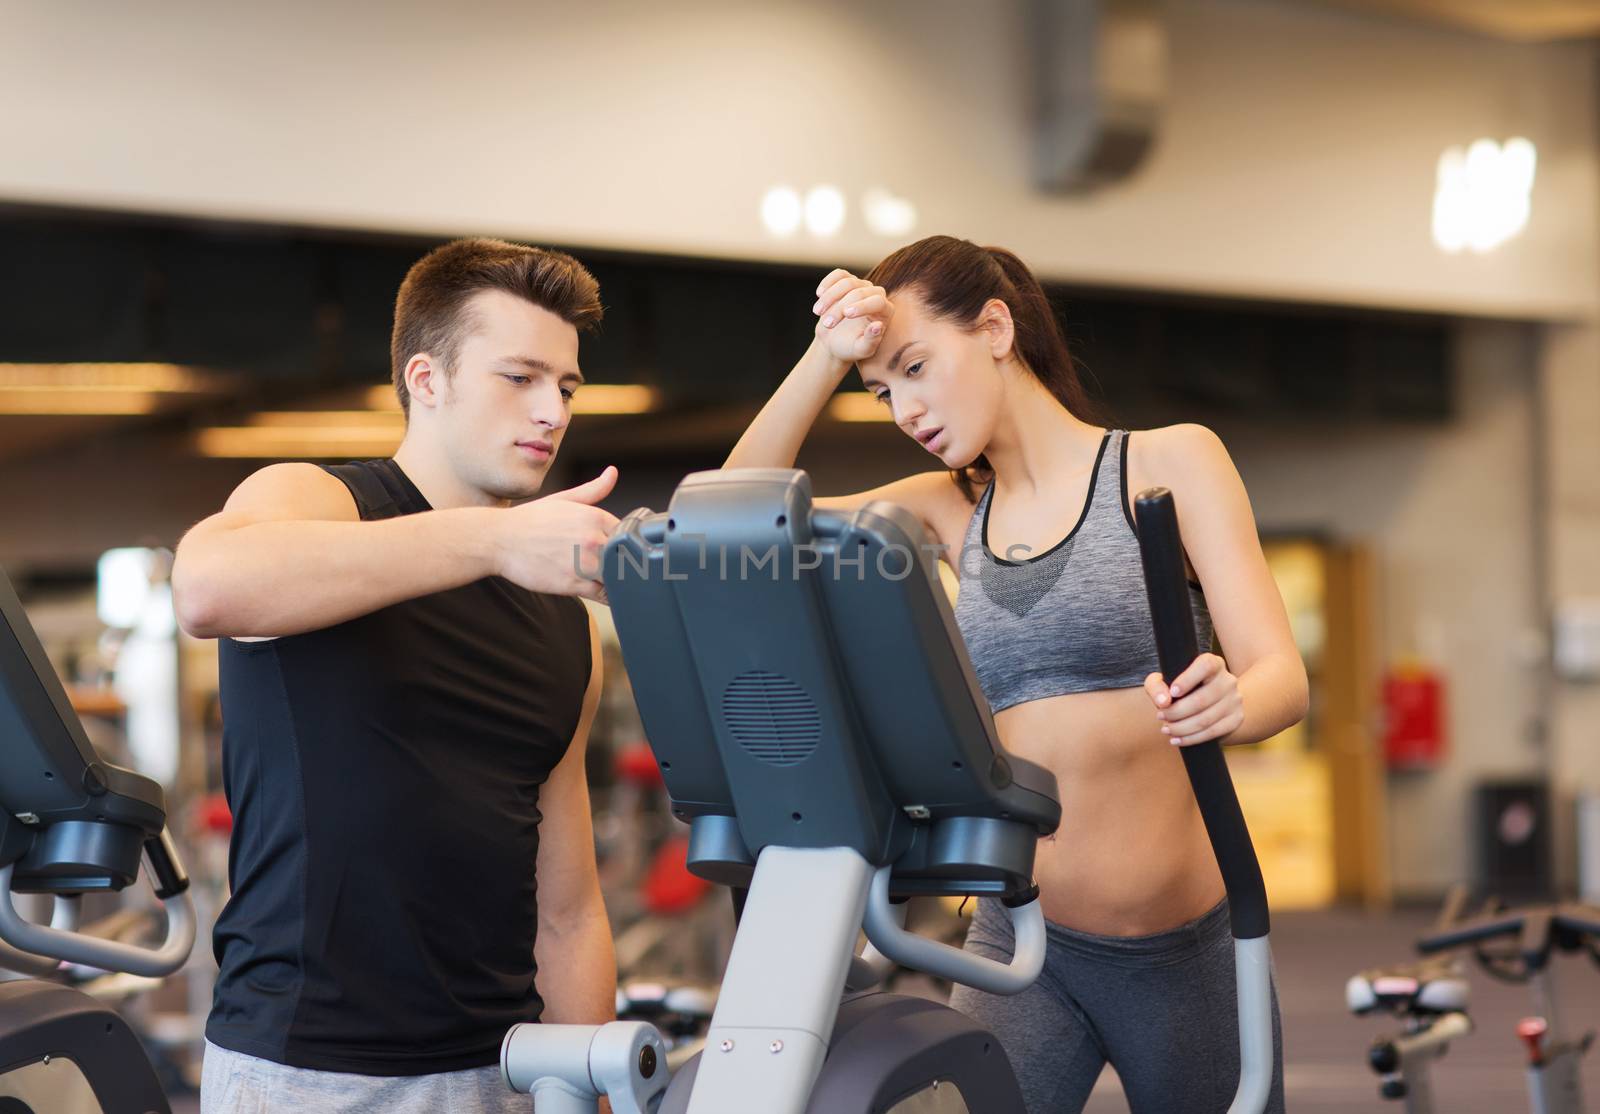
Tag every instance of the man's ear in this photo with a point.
(425, 380)
(999, 330)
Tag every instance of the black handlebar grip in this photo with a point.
(1474, 931)
(1167, 587)
(1538, 930)
(166, 869)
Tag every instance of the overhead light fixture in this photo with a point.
(1483, 194)
(308, 434)
(85, 404)
(824, 211)
(886, 214)
(86, 389)
(384, 420)
(309, 442)
(781, 211)
(591, 398)
(161, 378)
(821, 212)
(376, 431)
(382, 398)
(858, 406)
(615, 398)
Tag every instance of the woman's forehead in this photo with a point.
(910, 325)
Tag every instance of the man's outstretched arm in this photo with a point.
(289, 553)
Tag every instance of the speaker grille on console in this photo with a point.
(772, 717)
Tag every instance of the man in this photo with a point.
(407, 690)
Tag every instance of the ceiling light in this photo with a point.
(1520, 159)
(41, 403)
(382, 398)
(268, 442)
(591, 398)
(1483, 195)
(858, 406)
(313, 434)
(84, 389)
(886, 214)
(374, 432)
(314, 419)
(615, 398)
(164, 378)
(780, 211)
(824, 211)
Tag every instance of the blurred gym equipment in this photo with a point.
(72, 825)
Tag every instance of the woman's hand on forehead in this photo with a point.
(852, 315)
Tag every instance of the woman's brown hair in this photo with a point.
(955, 279)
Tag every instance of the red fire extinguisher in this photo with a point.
(1413, 717)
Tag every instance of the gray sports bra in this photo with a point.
(1073, 618)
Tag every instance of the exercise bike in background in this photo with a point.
(1431, 999)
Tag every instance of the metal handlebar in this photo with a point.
(884, 931)
(38, 944)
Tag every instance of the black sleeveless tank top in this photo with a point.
(384, 777)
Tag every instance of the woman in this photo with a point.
(1033, 501)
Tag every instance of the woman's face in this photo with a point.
(942, 382)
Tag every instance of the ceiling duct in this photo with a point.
(1099, 82)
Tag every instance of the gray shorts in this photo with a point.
(234, 1083)
(1159, 1009)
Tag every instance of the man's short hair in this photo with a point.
(431, 313)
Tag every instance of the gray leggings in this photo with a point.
(1159, 1008)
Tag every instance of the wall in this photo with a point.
(1296, 159)
(1450, 513)
(1570, 400)
(62, 510)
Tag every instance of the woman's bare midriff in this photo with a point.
(1131, 857)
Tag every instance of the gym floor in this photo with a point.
(1325, 1047)
(1325, 1057)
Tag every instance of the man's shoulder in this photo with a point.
(293, 490)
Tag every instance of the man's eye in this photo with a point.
(882, 397)
(912, 369)
(519, 380)
(567, 393)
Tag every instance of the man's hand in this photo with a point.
(553, 544)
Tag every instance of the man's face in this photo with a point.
(506, 406)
